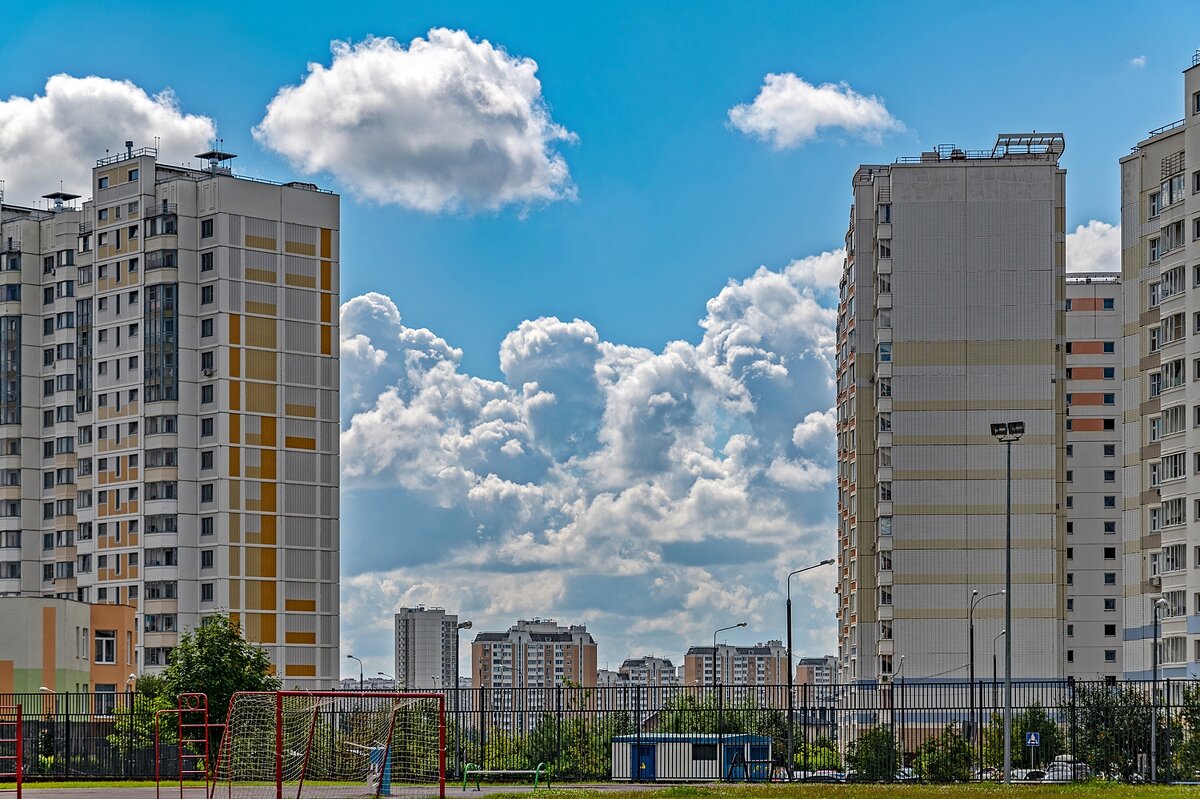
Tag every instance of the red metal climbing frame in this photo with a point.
(191, 737)
(10, 745)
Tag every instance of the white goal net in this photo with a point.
(331, 745)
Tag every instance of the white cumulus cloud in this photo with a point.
(59, 134)
(446, 122)
(789, 111)
(1137, 62)
(646, 494)
(1094, 247)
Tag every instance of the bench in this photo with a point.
(542, 772)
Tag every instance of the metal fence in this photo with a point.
(936, 732)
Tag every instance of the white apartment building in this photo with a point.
(169, 405)
(1094, 580)
(817, 670)
(426, 642)
(1160, 268)
(761, 664)
(950, 319)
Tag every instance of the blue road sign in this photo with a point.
(1033, 739)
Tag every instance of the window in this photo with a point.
(1110, 527)
(1110, 578)
(206, 427)
(206, 295)
(206, 328)
(1110, 373)
(1110, 656)
(1110, 475)
(885, 352)
(206, 394)
(885, 422)
(206, 228)
(206, 492)
(885, 491)
(1109, 304)
(1110, 604)
(106, 647)
(1110, 553)
(206, 559)
(206, 262)
(885, 248)
(207, 525)
(1070, 655)
(206, 459)
(1070, 476)
(206, 595)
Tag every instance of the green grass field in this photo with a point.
(860, 791)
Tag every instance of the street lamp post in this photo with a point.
(1156, 608)
(994, 640)
(1007, 433)
(975, 600)
(458, 747)
(900, 742)
(720, 702)
(790, 666)
(387, 677)
(360, 671)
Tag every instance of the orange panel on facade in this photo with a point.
(299, 670)
(1087, 373)
(1087, 425)
(299, 605)
(1087, 398)
(1087, 304)
(1087, 347)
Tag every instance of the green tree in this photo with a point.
(133, 725)
(1112, 731)
(1032, 719)
(873, 755)
(945, 757)
(214, 659)
(822, 755)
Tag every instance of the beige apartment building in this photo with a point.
(1160, 268)
(1094, 580)
(761, 664)
(169, 405)
(951, 318)
(534, 653)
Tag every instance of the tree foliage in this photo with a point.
(822, 755)
(945, 757)
(1032, 719)
(873, 755)
(133, 725)
(214, 659)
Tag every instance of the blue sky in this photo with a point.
(665, 204)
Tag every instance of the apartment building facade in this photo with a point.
(534, 653)
(1094, 578)
(817, 670)
(426, 641)
(1160, 268)
(729, 666)
(950, 318)
(169, 405)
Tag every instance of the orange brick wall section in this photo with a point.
(119, 618)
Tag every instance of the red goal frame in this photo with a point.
(280, 696)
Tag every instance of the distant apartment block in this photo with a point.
(1160, 269)
(536, 653)
(816, 671)
(950, 318)
(426, 642)
(1094, 573)
(761, 664)
(169, 405)
(650, 671)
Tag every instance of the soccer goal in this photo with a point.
(332, 745)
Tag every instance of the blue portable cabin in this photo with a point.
(698, 757)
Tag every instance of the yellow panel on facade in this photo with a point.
(300, 605)
(260, 397)
(235, 461)
(260, 275)
(326, 242)
(260, 562)
(299, 442)
(299, 638)
(307, 411)
(266, 464)
(299, 670)
(262, 308)
(235, 494)
(300, 281)
(261, 365)
(235, 362)
(235, 561)
(261, 333)
(326, 276)
(235, 328)
(299, 248)
(326, 340)
(260, 628)
(327, 308)
(235, 528)
(261, 242)
(235, 594)
(235, 395)
(266, 499)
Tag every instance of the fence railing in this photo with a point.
(915, 730)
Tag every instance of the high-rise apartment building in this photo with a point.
(817, 671)
(761, 664)
(950, 319)
(426, 649)
(1160, 269)
(536, 653)
(1094, 579)
(650, 671)
(169, 405)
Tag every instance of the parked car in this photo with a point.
(1028, 774)
(1065, 768)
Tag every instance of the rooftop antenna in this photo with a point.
(129, 148)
